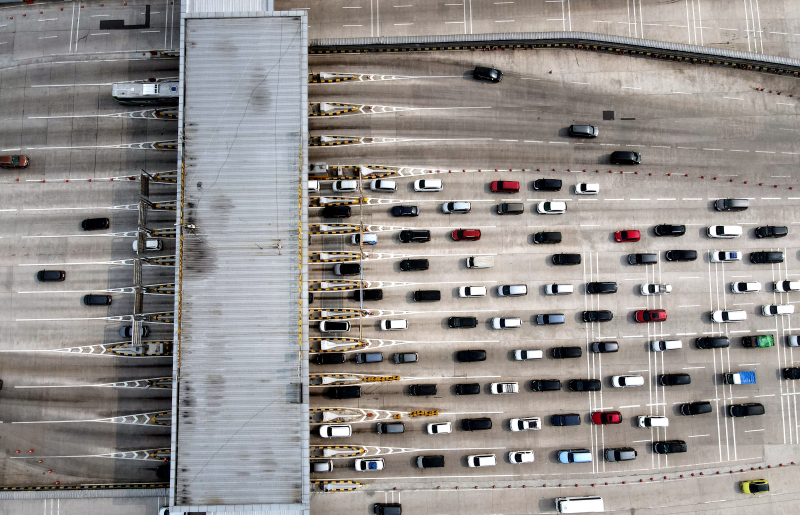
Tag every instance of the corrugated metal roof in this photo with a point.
(227, 6)
(241, 424)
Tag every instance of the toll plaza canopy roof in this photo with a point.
(240, 411)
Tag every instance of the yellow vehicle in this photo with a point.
(755, 486)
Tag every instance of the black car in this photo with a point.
(695, 408)
(550, 319)
(330, 358)
(669, 230)
(791, 373)
(94, 224)
(604, 347)
(468, 389)
(97, 300)
(419, 390)
(545, 385)
(429, 462)
(567, 352)
(772, 231)
(547, 184)
(347, 269)
(642, 259)
(547, 237)
(405, 211)
(476, 424)
(713, 343)
(408, 265)
(681, 255)
(462, 322)
(344, 392)
(373, 294)
(669, 447)
(566, 259)
(605, 287)
(485, 73)
(388, 508)
(748, 409)
(567, 419)
(468, 356)
(766, 257)
(415, 236)
(623, 157)
(620, 454)
(674, 379)
(335, 212)
(162, 472)
(585, 385)
(51, 275)
(603, 315)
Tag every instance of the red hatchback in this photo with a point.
(650, 315)
(505, 187)
(467, 234)
(606, 417)
(627, 236)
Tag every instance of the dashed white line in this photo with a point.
(690, 306)
(764, 152)
(532, 141)
(715, 149)
(753, 430)
(733, 98)
(660, 146)
(665, 199)
(629, 87)
(504, 21)
(697, 436)
(688, 148)
(584, 83)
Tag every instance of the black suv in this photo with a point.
(93, 224)
(713, 343)
(669, 446)
(344, 392)
(405, 211)
(51, 275)
(408, 265)
(567, 352)
(669, 230)
(766, 257)
(422, 389)
(332, 358)
(681, 255)
(97, 300)
(468, 389)
(585, 385)
(567, 419)
(415, 236)
(695, 408)
(476, 424)
(603, 315)
(748, 409)
(604, 347)
(772, 231)
(674, 379)
(607, 287)
(547, 237)
(468, 356)
(791, 373)
(462, 322)
(642, 259)
(485, 73)
(624, 157)
(373, 294)
(335, 212)
(566, 259)
(547, 184)
(545, 385)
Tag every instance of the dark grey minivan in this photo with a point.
(583, 131)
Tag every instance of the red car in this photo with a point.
(13, 161)
(627, 236)
(467, 234)
(606, 417)
(650, 315)
(505, 187)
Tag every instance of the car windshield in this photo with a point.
(14, 160)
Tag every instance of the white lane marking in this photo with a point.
(629, 87)
(715, 149)
(753, 430)
(631, 406)
(504, 21)
(584, 83)
(733, 98)
(698, 436)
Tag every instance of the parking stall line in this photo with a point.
(716, 376)
(784, 421)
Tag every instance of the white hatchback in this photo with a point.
(551, 208)
(383, 185)
(428, 185)
(456, 207)
(149, 244)
(724, 231)
(746, 287)
(587, 189)
(440, 428)
(397, 324)
(627, 381)
(345, 186)
(786, 286)
(528, 354)
(481, 460)
(472, 291)
(335, 430)
(656, 289)
(506, 323)
(777, 309)
(517, 457)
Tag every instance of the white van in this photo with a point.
(627, 381)
(481, 460)
(777, 309)
(428, 185)
(480, 262)
(347, 186)
(587, 188)
(588, 504)
(149, 244)
(558, 289)
(335, 430)
(662, 345)
(723, 316)
(383, 185)
(646, 421)
(724, 231)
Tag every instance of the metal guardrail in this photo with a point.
(576, 40)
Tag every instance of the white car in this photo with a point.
(723, 316)
(786, 286)
(793, 340)
(551, 208)
(149, 244)
(370, 238)
(656, 289)
(725, 256)
(525, 424)
(397, 324)
(558, 289)
(346, 186)
(528, 354)
(440, 428)
(481, 460)
(587, 189)
(769, 310)
(472, 291)
(746, 287)
(518, 457)
(335, 430)
(506, 323)
(313, 186)
(512, 290)
(724, 231)
(383, 185)
(456, 207)
(369, 464)
(627, 381)
(428, 185)
(503, 388)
